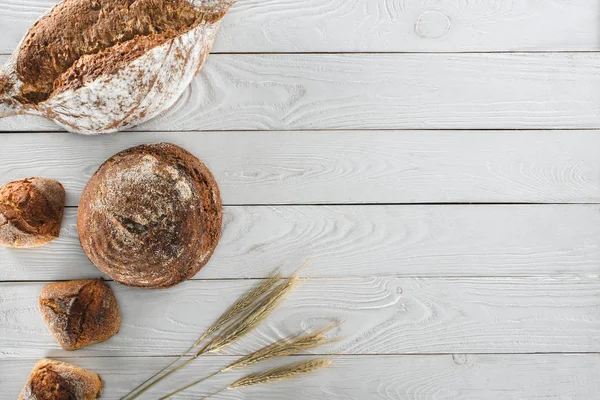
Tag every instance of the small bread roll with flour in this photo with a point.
(151, 216)
(31, 212)
(80, 313)
(57, 380)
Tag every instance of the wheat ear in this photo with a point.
(290, 345)
(238, 328)
(289, 371)
(245, 324)
(241, 306)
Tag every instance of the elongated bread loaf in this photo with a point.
(97, 66)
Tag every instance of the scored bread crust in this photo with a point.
(31, 212)
(151, 216)
(57, 380)
(80, 313)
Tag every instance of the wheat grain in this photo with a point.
(241, 306)
(238, 320)
(290, 345)
(245, 324)
(283, 347)
(288, 371)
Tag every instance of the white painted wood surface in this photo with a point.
(449, 376)
(367, 241)
(383, 91)
(380, 316)
(344, 167)
(380, 168)
(379, 25)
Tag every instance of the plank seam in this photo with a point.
(362, 277)
(440, 204)
(229, 53)
(328, 130)
(329, 355)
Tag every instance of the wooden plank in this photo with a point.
(343, 167)
(378, 25)
(380, 316)
(384, 91)
(424, 377)
(366, 241)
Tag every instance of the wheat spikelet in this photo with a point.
(241, 305)
(255, 317)
(288, 346)
(244, 324)
(288, 371)
(244, 315)
(284, 347)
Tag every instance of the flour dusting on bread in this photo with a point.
(31, 212)
(150, 216)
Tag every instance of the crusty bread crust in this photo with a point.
(107, 62)
(80, 313)
(150, 216)
(57, 380)
(75, 28)
(31, 212)
(101, 66)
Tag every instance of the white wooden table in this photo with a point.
(438, 161)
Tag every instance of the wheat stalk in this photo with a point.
(241, 306)
(289, 371)
(248, 317)
(290, 345)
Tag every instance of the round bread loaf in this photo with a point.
(31, 212)
(150, 216)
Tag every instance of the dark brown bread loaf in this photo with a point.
(80, 313)
(57, 380)
(150, 216)
(31, 212)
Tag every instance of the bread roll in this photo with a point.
(31, 212)
(57, 380)
(151, 216)
(80, 313)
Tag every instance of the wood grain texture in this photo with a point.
(383, 91)
(343, 167)
(366, 241)
(380, 316)
(379, 25)
(437, 300)
(423, 377)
